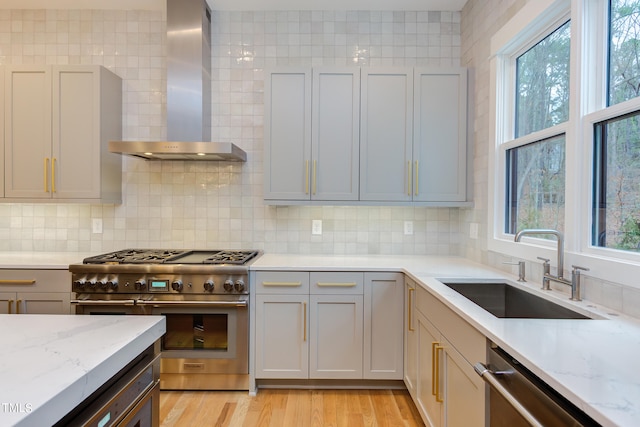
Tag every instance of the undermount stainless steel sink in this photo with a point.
(506, 301)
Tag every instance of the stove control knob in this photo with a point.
(209, 285)
(91, 283)
(140, 284)
(112, 284)
(102, 284)
(79, 283)
(239, 285)
(228, 286)
(177, 285)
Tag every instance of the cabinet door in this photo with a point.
(335, 134)
(335, 349)
(386, 134)
(44, 302)
(76, 132)
(429, 407)
(282, 337)
(2, 107)
(440, 135)
(410, 339)
(383, 318)
(28, 132)
(287, 135)
(7, 302)
(463, 388)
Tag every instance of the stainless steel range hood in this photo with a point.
(188, 92)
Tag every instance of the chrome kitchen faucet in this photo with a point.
(547, 276)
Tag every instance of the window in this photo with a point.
(567, 134)
(542, 98)
(536, 184)
(616, 152)
(624, 50)
(535, 170)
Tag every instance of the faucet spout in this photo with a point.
(542, 231)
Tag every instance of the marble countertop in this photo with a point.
(593, 363)
(50, 363)
(41, 260)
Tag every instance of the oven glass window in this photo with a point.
(196, 332)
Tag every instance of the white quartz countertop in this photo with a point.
(593, 363)
(50, 363)
(41, 260)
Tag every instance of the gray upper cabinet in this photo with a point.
(366, 136)
(335, 134)
(439, 136)
(386, 131)
(312, 134)
(287, 131)
(58, 121)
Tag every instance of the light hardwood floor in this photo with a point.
(284, 408)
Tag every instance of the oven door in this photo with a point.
(205, 345)
(106, 306)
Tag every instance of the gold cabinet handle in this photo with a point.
(281, 283)
(408, 178)
(417, 178)
(53, 175)
(409, 323)
(306, 177)
(313, 186)
(304, 322)
(18, 306)
(46, 174)
(337, 285)
(9, 304)
(435, 386)
(17, 282)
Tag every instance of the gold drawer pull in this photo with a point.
(281, 283)
(337, 285)
(17, 282)
(410, 315)
(9, 304)
(18, 306)
(304, 325)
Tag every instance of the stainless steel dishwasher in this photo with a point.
(519, 398)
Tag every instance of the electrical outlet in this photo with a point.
(473, 230)
(96, 225)
(316, 226)
(408, 228)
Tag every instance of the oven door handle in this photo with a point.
(127, 302)
(221, 304)
(489, 376)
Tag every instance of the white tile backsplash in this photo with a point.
(207, 204)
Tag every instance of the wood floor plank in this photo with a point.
(289, 408)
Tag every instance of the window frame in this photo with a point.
(587, 107)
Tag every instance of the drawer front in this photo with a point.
(18, 280)
(337, 283)
(282, 282)
(464, 337)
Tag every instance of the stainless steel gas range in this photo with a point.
(204, 295)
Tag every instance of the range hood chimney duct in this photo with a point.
(188, 92)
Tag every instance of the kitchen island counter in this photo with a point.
(593, 363)
(49, 364)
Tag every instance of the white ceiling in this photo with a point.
(451, 5)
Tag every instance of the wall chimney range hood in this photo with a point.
(188, 92)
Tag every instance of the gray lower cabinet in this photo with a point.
(328, 325)
(35, 291)
(440, 348)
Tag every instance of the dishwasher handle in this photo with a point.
(490, 377)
